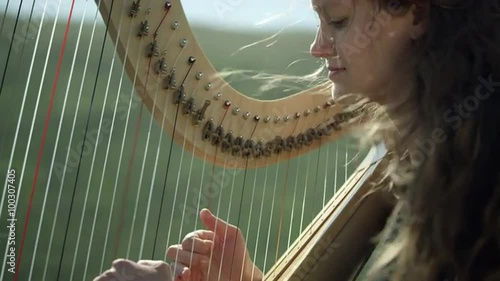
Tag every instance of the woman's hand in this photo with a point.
(218, 253)
(126, 270)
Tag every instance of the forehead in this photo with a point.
(319, 5)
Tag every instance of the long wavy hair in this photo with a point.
(449, 208)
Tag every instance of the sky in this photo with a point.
(250, 14)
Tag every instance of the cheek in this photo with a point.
(375, 57)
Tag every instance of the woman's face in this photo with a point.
(365, 49)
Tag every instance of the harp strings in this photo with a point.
(283, 197)
(88, 188)
(261, 212)
(21, 113)
(16, 274)
(87, 123)
(156, 93)
(56, 145)
(11, 41)
(24, 94)
(241, 204)
(227, 217)
(122, 146)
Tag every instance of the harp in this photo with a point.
(91, 179)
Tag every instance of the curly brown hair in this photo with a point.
(450, 206)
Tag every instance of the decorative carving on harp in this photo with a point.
(110, 180)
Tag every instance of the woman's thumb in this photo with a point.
(212, 222)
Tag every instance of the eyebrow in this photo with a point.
(319, 7)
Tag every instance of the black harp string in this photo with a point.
(5, 14)
(11, 40)
(167, 8)
(227, 105)
(131, 159)
(87, 122)
(132, 93)
(192, 61)
(92, 165)
(54, 221)
(130, 168)
(18, 76)
(24, 96)
(53, 160)
(283, 196)
(134, 148)
(242, 193)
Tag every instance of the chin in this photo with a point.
(338, 91)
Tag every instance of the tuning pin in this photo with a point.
(175, 25)
(183, 42)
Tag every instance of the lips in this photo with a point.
(335, 69)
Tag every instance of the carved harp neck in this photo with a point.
(190, 99)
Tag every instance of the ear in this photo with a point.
(420, 14)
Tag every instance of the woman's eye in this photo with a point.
(338, 23)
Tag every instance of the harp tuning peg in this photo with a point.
(136, 7)
(208, 86)
(329, 103)
(183, 42)
(175, 25)
(199, 75)
(143, 29)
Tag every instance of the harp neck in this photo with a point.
(190, 100)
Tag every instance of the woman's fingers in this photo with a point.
(122, 269)
(202, 234)
(160, 266)
(181, 271)
(197, 245)
(178, 254)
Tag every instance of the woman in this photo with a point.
(435, 67)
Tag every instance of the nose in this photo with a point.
(323, 45)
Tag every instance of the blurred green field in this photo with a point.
(90, 239)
